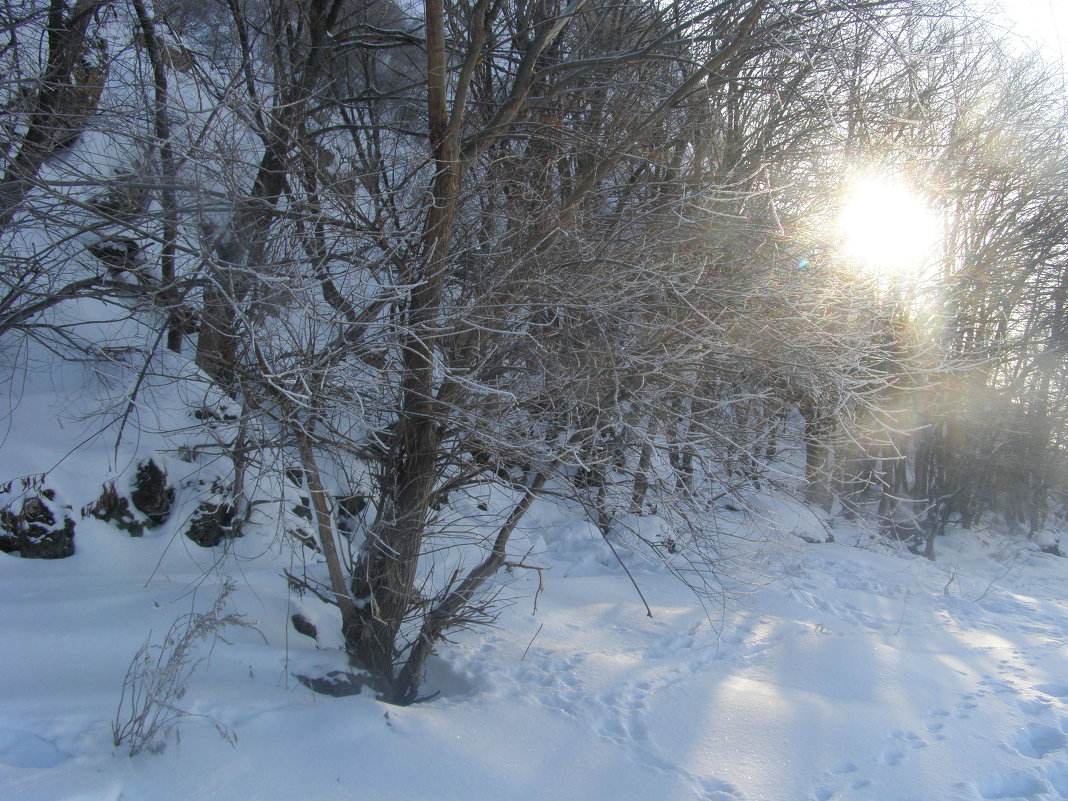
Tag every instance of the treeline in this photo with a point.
(587, 248)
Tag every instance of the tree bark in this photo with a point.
(445, 613)
(54, 118)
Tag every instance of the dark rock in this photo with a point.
(209, 415)
(304, 626)
(303, 509)
(349, 509)
(152, 495)
(1052, 548)
(212, 523)
(337, 683)
(304, 537)
(115, 509)
(352, 505)
(119, 254)
(34, 532)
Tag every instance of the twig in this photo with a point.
(141, 376)
(541, 581)
(998, 578)
(904, 606)
(637, 589)
(536, 633)
(952, 578)
(303, 584)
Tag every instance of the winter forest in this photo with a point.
(532, 399)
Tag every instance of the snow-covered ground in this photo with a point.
(858, 672)
(846, 670)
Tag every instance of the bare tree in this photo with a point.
(518, 249)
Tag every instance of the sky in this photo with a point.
(1045, 21)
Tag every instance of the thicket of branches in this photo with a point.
(574, 247)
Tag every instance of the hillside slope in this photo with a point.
(856, 672)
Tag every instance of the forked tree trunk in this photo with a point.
(384, 575)
(446, 612)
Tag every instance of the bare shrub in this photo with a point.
(159, 675)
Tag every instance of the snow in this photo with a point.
(845, 669)
(857, 671)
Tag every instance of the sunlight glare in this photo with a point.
(887, 228)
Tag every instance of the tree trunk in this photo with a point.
(60, 108)
(817, 458)
(445, 613)
(384, 576)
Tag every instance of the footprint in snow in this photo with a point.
(893, 756)
(1034, 706)
(998, 686)
(967, 703)
(935, 723)
(23, 749)
(935, 730)
(1036, 740)
(570, 679)
(1012, 784)
(736, 637)
(826, 791)
(843, 767)
(1008, 666)
(911, 738)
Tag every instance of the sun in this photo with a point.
(887, 229)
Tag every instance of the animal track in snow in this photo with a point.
(825, 791)
(936, 723)
(1035, 741)
(936, 730)
(620, 716)
(998, 686)
(844, 767)
(893, 756)
(911, 738)
(967, 703)
(551, 672)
